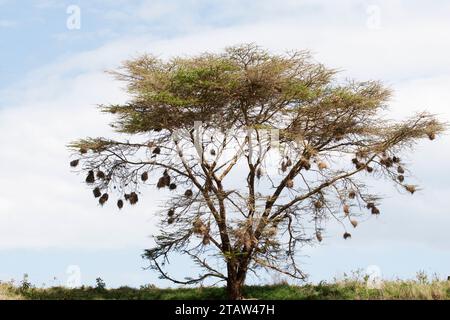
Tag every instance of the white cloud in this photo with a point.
(45, 205)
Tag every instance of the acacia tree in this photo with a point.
(256, 150)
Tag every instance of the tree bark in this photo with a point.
(235, 281)
(234, 289)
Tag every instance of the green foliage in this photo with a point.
(25, 284)
(100, 284)
(215, 88)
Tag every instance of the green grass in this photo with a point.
(347, 289)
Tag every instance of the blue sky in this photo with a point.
(51, 78)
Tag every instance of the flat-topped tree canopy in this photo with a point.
(247, 87)
(194, 121)
(218, 89)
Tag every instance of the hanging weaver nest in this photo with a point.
(188, 193)
(319, 236)
(101, 174)
(90, 177)
(97, 193)
(322, 165)
(288, 162)
(290, 183)
(166, 179)
(133, 198)
(161, 183)
(354, 223)
(346, 209)
(352, 194)
(347, 235)
(370, 205)
(387, 162)
(410, 188)
(206, 241)
(171, 220)
(198, 227)
(358, 165)
(74, 163)
(375, 211)
(103, 199)
(144, 176)
(157, 150)
(401, 178)
(283, 166)
(126, 196)
(400, 170)
(120, 204)
(369, 169)
(172, 186)
(171, 212)
(396, 159)
(212, 152)
(318, 204)
(431, 135)
(259, 173)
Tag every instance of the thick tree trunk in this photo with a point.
(235, 281)
(234, 289)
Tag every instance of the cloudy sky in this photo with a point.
(52, 77)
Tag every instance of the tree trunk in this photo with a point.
(234, 289)
(235, 282)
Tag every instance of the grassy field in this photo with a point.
(343, 289)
